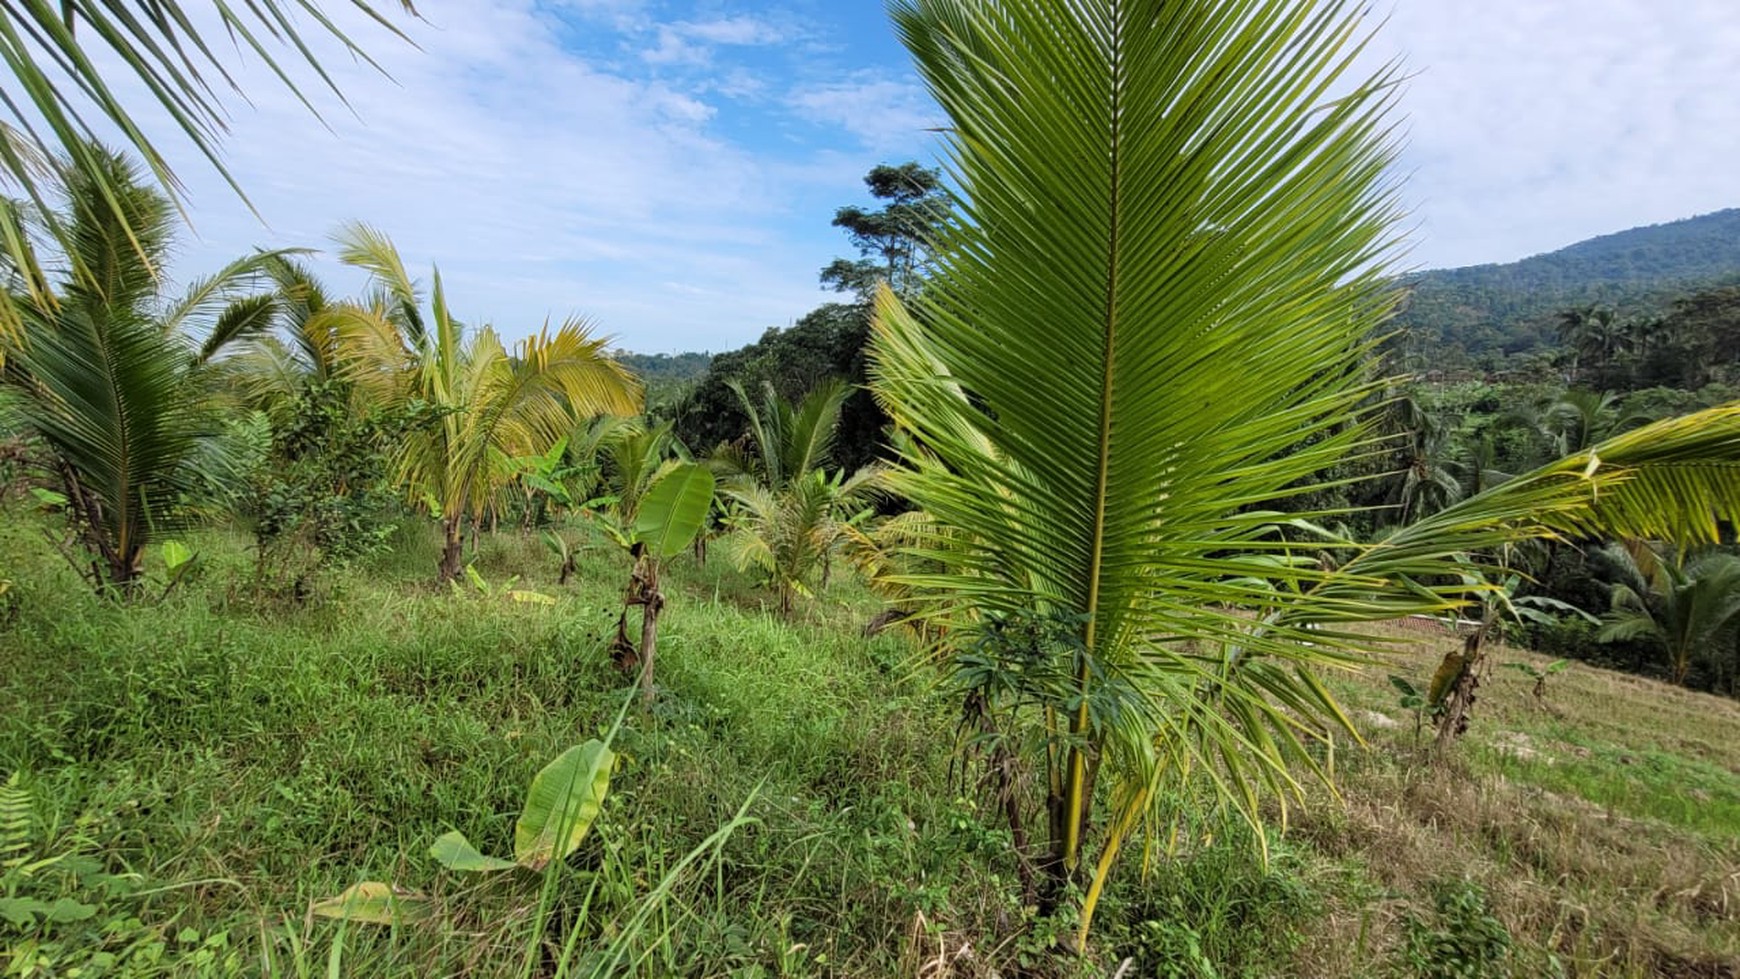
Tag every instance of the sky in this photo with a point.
(668, 169)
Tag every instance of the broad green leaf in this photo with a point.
(674, 510)
(48, 498)
(548, 487)
(476, 579)
(525, 597)
(21, 911)
(563, 801)
(455, 852)
(66, 909)
(176, 554)
(373, 902)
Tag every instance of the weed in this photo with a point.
(1460, 939)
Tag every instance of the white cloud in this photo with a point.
(685, 206)
(1537, 123)
(882, 112)
(693, 42)
(736, 31)
(543, 186)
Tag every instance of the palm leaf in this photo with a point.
(1150, 311)
(73, 63)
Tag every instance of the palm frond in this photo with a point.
(74, 64)
(1676, 480)
(109, 395)
(244, 319)
(209, 296)
(372, 251)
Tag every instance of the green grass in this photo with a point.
(205, 768)
(1640, 784)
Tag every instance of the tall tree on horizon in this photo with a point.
(893, 241)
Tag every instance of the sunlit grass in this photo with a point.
(247, 758)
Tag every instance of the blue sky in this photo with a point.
(668, 168)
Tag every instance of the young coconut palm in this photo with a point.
(486, 406)
(789, 516)
(1683, 606)
(115, 378)
(302, 351)
(1149, 320)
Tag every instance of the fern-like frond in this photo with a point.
(15, 820)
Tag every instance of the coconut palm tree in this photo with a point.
(1148, 323)
(789, 516)
(1595, 335)
(1578, 419)
(485, 406)
(115, 377)
(1429, 477)
(301, 351)
(1683, 606)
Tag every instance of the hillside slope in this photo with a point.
(1511, 308)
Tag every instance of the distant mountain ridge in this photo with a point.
(1513, 307)
(1489, 309)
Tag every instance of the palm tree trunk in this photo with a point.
(114, 568)
(452, 547)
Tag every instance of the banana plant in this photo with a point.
(482, 586)
(561, 805)
(563, 548)
(1412, 699)
(666, 519)
(1451, 694)
(552, 478)
(1539, 675)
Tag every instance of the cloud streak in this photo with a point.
(669, 169)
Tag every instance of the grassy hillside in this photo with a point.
(1511, 308)
(200, 770)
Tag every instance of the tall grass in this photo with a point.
(208, 767)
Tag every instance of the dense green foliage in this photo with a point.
(825, 344)
(667, 377)
(828, 343)
(1486, 310)
(204, 772)
(115, 380)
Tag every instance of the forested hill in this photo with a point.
(666, 376)
(1512, 308)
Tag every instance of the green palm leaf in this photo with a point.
(59, 97)
(1150, 313)
(488, 405)
(1149, 324)
(116, 388)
